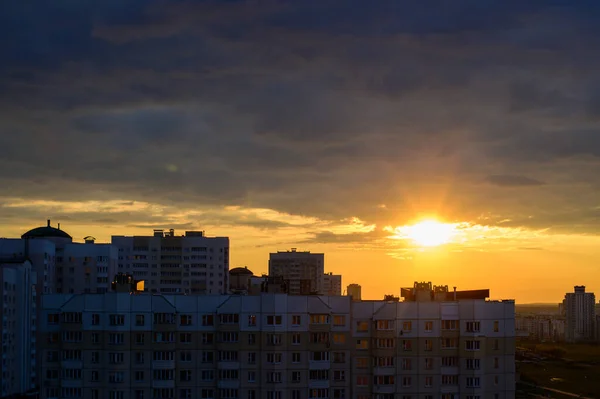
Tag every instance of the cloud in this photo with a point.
(314, 109)
(513, 181)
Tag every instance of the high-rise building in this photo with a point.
(303, 271)
(354, 291)
(169, 264)
(18, 325)
(332, 284)
(270, 346)
(580, 315)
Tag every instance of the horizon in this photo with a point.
(408, 142)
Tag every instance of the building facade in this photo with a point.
(304, 271)
(192, 264)
(332, 284)
(354, 291)
(18, 324)
(275, 346)
(580, 315)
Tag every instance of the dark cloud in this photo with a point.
(315, 108)
(513, 181)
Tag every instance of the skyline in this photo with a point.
(318, 126)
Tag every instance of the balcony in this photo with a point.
(71, 383)
(318, 384)
(228, 365)
(163, 383)
(319, 365)
(449, 370)
(384, 371)
(449, 388)
(71, 364)
(384, 388)
(228, 384)
(163, 364)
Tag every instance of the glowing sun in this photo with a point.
(429, 233)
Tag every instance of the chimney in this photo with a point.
(454, 293)
(48, 222)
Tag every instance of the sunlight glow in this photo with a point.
(428, 233)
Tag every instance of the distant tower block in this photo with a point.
(354, 290)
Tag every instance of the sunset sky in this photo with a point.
(323, 125)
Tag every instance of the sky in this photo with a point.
(323, 125)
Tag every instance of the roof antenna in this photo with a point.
(48, 222)
(59, 226)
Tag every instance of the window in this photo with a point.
(339, 375)
(185, 356)
(385, 343)
(185, 375)
(185, 393)
(185, 320)
(407, 345)
(296, 376)
(472, 382)
(95, 376)
(251, 376)
(449, 324)
(164, 318)
(407, 326)
(273, 394)
(273, 320)
(319, 375)
(296, 319)
(139, 338)
(449, 380)
(53, 318)
(473, 364)
(207, 393)
(229, 374)
(139, 357)
(273, 339)
(207, 375)
(139, 376)
(362, 326)
(362, 362)
(319, 319)
(383, 380)
(428, 345)
(339, 393)
(252, 358)
(362, 380)
(339, 357)
(428, 363)
(164, 337)
(320, 337)
(208, 320)
(387, 361)
(116, 377)
(496, 345)
(116, 338)
(139, 320)
(473, 397)
(229, 318)
(385, 324)
(229, 393)
(428, 381)
(251, 339)
(428, 326)
(296, 339)
(362, 344)
(274, 358)
(251, 320)
(406, 381)
(295, 357)
(319, 356)
(496, 326)
(226, 337)
(449, 343)
(406, 364)
(296, 394)
(472, 345)
(496, 363)
(207, 338)
(318, 393)
(116, 357)
(449, 361)
(95, 319)
(496, 380)
(228, 356)
(473, 326)
(274, 377)
(339, 321)
(116, 320)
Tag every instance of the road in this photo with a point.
(571, 394)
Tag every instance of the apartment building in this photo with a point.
(541, 327)
(170, 264)
(63, 266)
(276, 346)
(580, 315)
(354, 291)
(332, 284)
(302, 270)
(18, 324)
